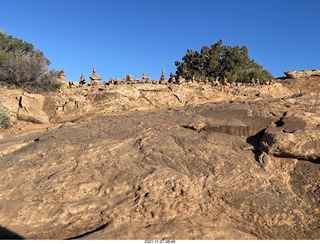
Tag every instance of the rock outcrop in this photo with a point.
(189, 172)
(302, 74)
(76, 101)
(183, 161)
(302, 144)
(297, 133)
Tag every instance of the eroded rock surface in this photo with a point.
(303, 144)
(297, 133)
(76, 102)
(71, 104)
(302, 74)
(192, 172)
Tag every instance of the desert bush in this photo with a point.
(5, 121)
(30, 72)
(23, 66)
(218, 61)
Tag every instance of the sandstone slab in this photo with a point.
(189, 172)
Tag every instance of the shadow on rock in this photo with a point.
(6, 234)
(255, 141)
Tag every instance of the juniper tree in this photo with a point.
(218, 61)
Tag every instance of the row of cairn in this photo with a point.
(95, 80)
(145, 80)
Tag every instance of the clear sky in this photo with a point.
(121, 37)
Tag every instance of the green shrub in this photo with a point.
(31, 72)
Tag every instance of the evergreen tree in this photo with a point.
(10, 44)
(218, 61)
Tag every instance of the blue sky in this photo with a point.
(121, 37)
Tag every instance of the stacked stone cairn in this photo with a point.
(95, 79)
(144, 78)
(163, 80)
(221, 83)
(129, 79)
(82, 80)
(62, 79)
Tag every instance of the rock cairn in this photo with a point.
(129, 79)
(95, 79)
(82, 80)
(163, 80)
(62, 79)
(62, 75)
(221, 83)
(144, 78)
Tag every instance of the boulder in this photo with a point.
(301, 144)
(30, 108)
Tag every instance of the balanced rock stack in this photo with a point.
(144, 78)
(82, 80)
(163, 80)
(129, 79)
(95, 79)
(62, 78)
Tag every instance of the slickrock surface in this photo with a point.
(71, 104)
(198, 171)
(302, 74)
(299, 85)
